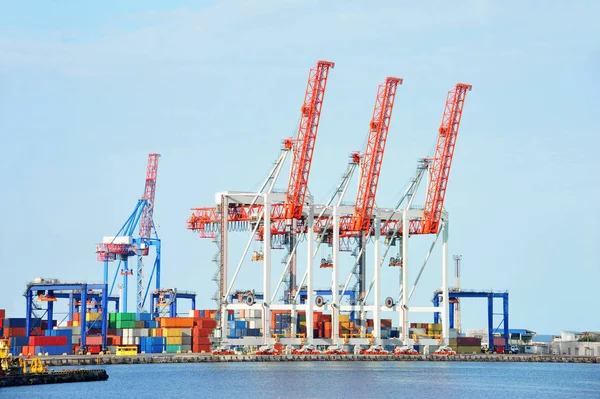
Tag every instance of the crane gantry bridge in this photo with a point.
(278, 220)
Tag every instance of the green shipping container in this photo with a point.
(112, 324)
(172, 348)
(125, 316)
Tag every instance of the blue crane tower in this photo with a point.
(126, 244)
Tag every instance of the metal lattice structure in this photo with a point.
(126, 244)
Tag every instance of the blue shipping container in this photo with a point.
(254, 332)
(19, 341)
(54, 350)
(241, 324)
(144, 317)
(18, 322)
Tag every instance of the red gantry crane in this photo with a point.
(371, 162)
(284, 216)
(439, 169)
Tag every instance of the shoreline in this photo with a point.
(95, 360)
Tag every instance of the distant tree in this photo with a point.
(588, 338)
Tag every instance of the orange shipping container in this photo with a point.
(177, 322)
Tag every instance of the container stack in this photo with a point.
(281, 321)
(466, 344)
(202, 331)
(499, 344)
(14, 329)
(2, 316)
(152, 344)
(55, 342)
(429, 330)
(174, 329)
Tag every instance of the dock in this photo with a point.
(94, 360)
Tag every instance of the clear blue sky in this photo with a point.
(87, 91)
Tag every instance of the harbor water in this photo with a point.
(367, 379)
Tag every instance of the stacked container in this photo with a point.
(2, 316)
(201, 335)
(467, 345)
(152, 344)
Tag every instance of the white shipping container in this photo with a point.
(256, 313)
(186, 348)
(186, 332)
(117, 240)
(217, 333)
(186, 340)
(429, 342)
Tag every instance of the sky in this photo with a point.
(87, 90)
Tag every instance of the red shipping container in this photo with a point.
(94, 349)
(499, 341)
(93, 340)
(2, 314)
(206, 323)
(201, 332)
(15, 331)
(200, 341)
(47, 341)
(196, 313)
(201, 348)
(468, 341)
(1, 322)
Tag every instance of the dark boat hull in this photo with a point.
(53, 377)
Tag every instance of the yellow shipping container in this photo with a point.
(93, 316)
(468, 349)
(171, 332)
(173, 340)
(76, 323)
(344, 317)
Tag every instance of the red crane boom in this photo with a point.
(373, 156)
(305, 141)
(206, 220)
(149, 191)
(442, 161)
